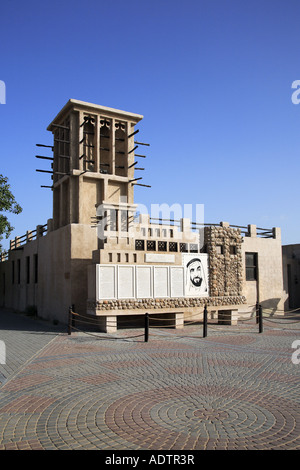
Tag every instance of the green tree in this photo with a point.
(7, 204)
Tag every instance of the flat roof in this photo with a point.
(91, 107)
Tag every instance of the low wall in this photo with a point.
(137, 307)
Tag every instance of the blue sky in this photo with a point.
(212, 79)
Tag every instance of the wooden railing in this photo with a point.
(18, 242)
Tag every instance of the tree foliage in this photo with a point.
(7, 204)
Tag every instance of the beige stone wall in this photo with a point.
(269, 287)
(167, 239)
(83, 242)
(63, 257)
(291, 276)
(54, 284)
(16, 292)
(88, 197)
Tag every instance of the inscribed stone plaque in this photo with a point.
(177, 281)
(107, 288)
(161, 280)
(125, 282)
(143, 281)
(159, 258)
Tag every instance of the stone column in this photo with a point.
(277, 233)
(80, 146)
(227, 317)
(39, 231)
(113, 147)
(185, 225)
(49, 225)
(252, 230)
(97, 145)
(179, 320)
(28, 235)
(110, 324)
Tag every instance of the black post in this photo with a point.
(205, 322)
(260, 319)
(73, 316)
(70, 320)
(257, 312)
(146, 327)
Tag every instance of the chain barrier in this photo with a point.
(270, 317)
(76, 317)
(259, 314)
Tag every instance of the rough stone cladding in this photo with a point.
(181, 302)
(223, 245)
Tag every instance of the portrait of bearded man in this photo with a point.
(196, 278)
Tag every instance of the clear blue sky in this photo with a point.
(211, 77)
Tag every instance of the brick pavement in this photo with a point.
(235, 389)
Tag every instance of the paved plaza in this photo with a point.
(234, 389)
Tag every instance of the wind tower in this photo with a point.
(93, 164)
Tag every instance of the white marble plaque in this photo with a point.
(176, 281)
(161, 281)
(159, 258)
(125, 282)
(143, 281)
(107, 282)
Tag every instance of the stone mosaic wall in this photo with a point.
(223, 245)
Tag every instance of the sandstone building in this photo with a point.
(96, 255)
(291, 276)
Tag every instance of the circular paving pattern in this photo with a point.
(210, 414)
(195, 415)
(181, 394)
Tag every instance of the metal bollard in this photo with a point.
(70, 320)
(73, 316)
(260, 319)
(205, 322)
(146, 327)
(257, 312)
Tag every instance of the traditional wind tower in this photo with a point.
(93, 163)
